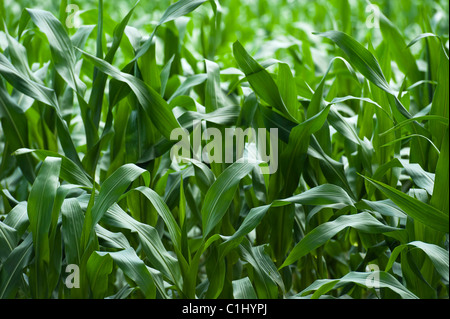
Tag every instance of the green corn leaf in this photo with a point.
(44, 95)
(414, 208)
(267, 277)
(26, 86)
(17, 218)
(176, 10)
(320, 235)
(165, 73)
(96, 97)
(164, 212)
(110, 192)
(384, 280)
(43, 196)
(156, 108)
(288, 90)
(150, 240)
(320, 195)
(134, 268)
(292, 158)
(111, 240)
(420, 37)
(367, 64)
(243, 289)
(61, 47)
(12, 269)
(213, 92)
(98, 269)
(40, 205)
(8, 240)
(179, 9)
(420, 177)
(187, 85)
(88, 175)
(72, 226)
(438, 256)
(221, 193)
(400, 52)
(18, 56)
(226, 115)
(70, 172)
(14, 124)
(260, 80)
(363, 60)
(441, 182)
(385, 207)
(440, 103)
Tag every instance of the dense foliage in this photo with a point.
(93, 206)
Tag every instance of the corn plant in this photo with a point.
(98, 202)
